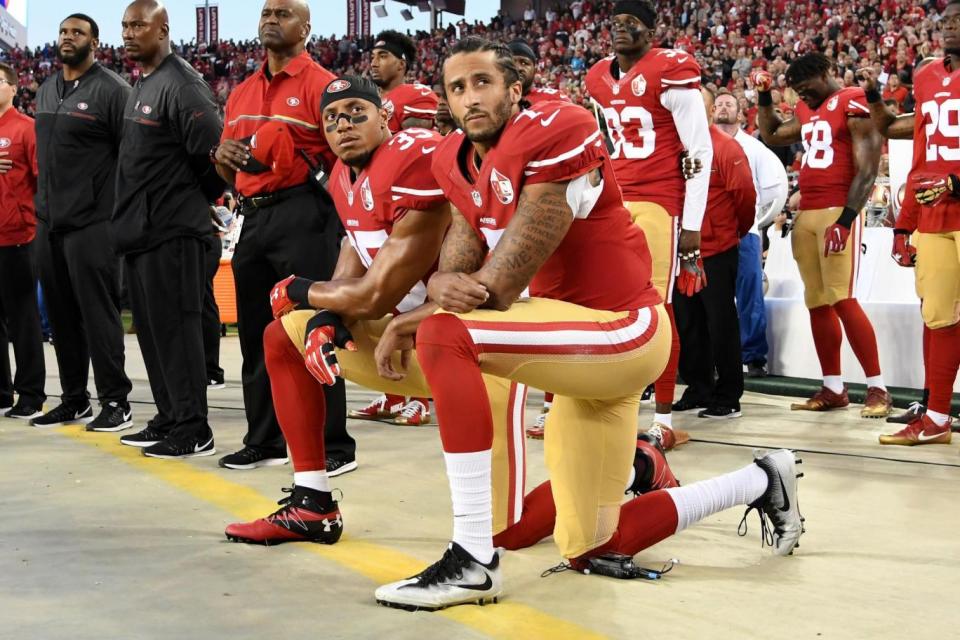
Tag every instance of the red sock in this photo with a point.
(450, 363)
(926, 356)
(547, 399)
(535, 524)
(667, 382)
(827, 338)
(942, 367)
(860, 333)
(644, 521)
(297, 399)
(394, 400)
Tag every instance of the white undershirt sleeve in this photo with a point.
(690, 118)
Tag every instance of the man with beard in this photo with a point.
(526, 61)
(165, 183)
(79, 125)
(289, 226)
(409, 104)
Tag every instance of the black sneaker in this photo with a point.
(113, 417)
(339, 467)
(182, 447)
(216, 383)
(647, 396)
(720, 413)
(756, 370)
(145, 438)
(22, 411)
(688, 404)
(914, 411)
(64, 414)
(251, 458)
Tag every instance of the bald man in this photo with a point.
(290, 225)
(165, 183)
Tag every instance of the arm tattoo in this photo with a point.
(462, 250)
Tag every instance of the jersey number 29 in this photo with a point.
(944, 118)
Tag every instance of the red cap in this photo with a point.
(272, 146)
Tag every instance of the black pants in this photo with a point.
(300, 235)
(166, 294)
(710, 335)
(211, 312)
(20, 323)
(80, 274)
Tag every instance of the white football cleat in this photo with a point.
(779, 502)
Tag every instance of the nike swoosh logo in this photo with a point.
(127, 416)
(79, 414)
(427, 150)
(200, 447)
(486, 584)
(786, 498)
(546, 122)
(924, 438)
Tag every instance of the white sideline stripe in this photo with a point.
(417, 192)
(517, 431)
(564, 156)
(565, 337)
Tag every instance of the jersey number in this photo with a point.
(945, 118)
(623, 148)
(817, 144)
(406, 138)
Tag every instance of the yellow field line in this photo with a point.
(379, 564)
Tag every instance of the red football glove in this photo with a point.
(692, 278)
(903, 252)
(762, 80)
(930, 190)
(835, 239)
(325, 331)
(287, 294)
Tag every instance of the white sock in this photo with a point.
(664, 419)
(939, 419)
(633, 476)
(876, 381)
(834, 383)
(701, 499)
(469, 476)
(317, 480)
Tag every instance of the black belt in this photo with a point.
(264, 200)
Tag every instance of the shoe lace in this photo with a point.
(541, 421)
(766, 529)
(914, 407)
(449, 566)
(413, 409)
(656, 431)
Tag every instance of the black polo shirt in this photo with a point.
(165, 180)
(78, 127)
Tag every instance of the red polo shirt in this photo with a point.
(18, 222)
(732, 200)
(291, 96)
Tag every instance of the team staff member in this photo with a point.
(162, 221)
(707, 321)
(290, 226)
(18, 283)
(79, 124)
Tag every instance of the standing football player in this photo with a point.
(839, 167)
(526, 60)
(654, 113)
(532, 194)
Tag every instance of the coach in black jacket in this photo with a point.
(165, 182)
(79, 121)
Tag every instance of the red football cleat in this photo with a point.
(823, 400)
(301, 519)
(923, 430)
(536, 431)
(652, 470)
(668, 437)
(414, 413)
(383, 408)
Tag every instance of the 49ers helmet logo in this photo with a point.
(338, 85)
(502, 187)
(366, 195)
(4, 143)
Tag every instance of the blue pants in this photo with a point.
(753, 314)
(44, 320)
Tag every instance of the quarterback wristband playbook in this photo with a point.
(764, 99)
(298, 290)
(847, 217)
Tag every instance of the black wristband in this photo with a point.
(873, 96)
(847, 217)
(900, 232)
(764, 98)
(298, 290)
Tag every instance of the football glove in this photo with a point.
(931, 190)
(904, 254)
(287, 294)
(689, 166)
(692, 278)
(762, 80)
(835, 239)
(325, 332)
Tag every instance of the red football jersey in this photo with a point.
(545, 94)
(646, 145)
(410, 101)
(936, 143)
(603, 261)
(396, 179)
(828, 167)
(18, 221)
